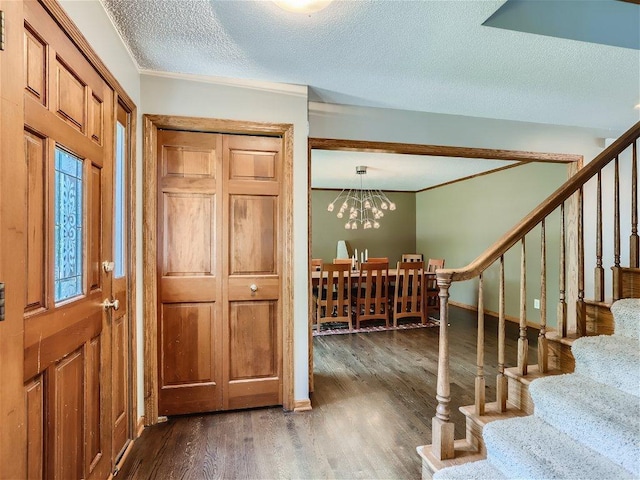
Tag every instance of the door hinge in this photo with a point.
(1, 30)
(1, 301)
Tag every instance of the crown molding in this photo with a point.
(283, 88)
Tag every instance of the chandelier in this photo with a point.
(361, 206)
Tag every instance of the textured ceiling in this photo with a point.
(430, 55)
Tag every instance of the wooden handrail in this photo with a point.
(443, 446)
(547, 206)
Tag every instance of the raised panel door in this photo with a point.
(253, 326)
(68, 195)
(219, 316)
(189, 296)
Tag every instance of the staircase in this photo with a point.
(586, 425)
(547, 421)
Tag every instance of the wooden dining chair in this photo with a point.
(412, 257)
(432, 300)
(340, 261)
(316, 264)
(371, 294)
(334, 295)
(408, 299)
(378, 260)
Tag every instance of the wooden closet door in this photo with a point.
(252, 266)
(67, 334)
(219, 261)
(189, 271)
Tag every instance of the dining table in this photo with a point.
(355, 274)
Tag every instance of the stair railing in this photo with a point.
(568, 200)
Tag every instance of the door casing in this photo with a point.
(151, 124)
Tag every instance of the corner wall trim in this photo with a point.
(302, 405)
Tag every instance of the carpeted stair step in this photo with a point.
(626, 317)
(482, 470)
(530, 448)
(604, 419)
(610, 359)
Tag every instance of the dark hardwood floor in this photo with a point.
(372, 406)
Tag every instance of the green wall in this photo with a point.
(396, 235)
(458, 222)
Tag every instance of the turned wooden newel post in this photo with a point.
(441, 427)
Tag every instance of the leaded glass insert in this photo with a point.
(119, 231)
(68, 226)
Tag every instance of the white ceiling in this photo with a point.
(387, 171)
(429, 55)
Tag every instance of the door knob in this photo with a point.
(108, 266)
(254, 287)
(107, 304)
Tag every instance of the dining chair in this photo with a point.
(333, 303)
(378, 260)
(408, 299)
(316, 264)
(412, 257)
(340, 261)
(432, 296)
(371, 294)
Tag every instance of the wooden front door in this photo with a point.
(219, 261)
(68, 167)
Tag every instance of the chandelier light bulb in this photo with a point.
(363, 206)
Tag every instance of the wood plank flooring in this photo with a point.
(372, 406)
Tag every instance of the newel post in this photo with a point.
(441, 428)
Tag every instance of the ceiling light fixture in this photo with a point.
(361, 206)
(302, 6)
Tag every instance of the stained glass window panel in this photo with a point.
(119, 230)
(68, 226)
